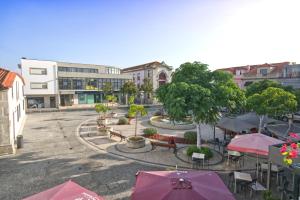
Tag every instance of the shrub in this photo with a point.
(150, 131)
(205, 150)
(123, 121)
(157, 113)
(191, 136)
(127, 115)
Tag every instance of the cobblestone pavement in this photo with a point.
(52, 154)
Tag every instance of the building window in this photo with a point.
(263, 72)
(138, 76)
(17, 90)
(38, 71)
(12, 91)
(148, 74)
(77, 69)
(35, 102)
(38, 85)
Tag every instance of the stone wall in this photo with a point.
(5, 146)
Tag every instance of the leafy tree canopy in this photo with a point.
(273, 102)
(129, 88)
(260, 86)
(111, 98)
(147, 86)
(107, 88)
(101, 108)
(196, 90)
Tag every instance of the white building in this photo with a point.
(50, 84)
(12, 109)
(41, 83)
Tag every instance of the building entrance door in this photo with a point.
(90, 99)
(52, 102)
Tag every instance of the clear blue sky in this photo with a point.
(124, 33)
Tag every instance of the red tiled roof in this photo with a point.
(7, 78)
(143, 66)
(277, 67)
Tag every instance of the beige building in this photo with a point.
(158, 73)
(285, 73)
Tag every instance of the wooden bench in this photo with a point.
(162, 144)
(112, 133)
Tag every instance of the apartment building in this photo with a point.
(12, 109)
(52, 84)
(285, 73)
(159, 73)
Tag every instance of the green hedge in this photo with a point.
(123, 121)
(205, 150)
(191, 136)
(150, 131)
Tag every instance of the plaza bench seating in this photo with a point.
(112, 133)
(162, 144)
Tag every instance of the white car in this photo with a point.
(295, 116)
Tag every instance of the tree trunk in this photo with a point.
(135, 131)
(261, 118)
(198, 127)
(126, 99)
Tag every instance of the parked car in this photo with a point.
(295, 116)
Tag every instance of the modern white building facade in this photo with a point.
(12, 109)
(50, 84)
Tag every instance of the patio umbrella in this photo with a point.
(234, 124)
(178, 185)
(66, 191)
(256, 143)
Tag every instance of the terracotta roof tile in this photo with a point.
(7, 78)
(143, 66)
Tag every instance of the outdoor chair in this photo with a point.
(285, 192)
(256, 187)
(217, 143)
(230, 180)
(237, 160)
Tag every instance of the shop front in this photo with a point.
(90, 97)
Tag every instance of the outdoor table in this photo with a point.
(242, 177)
(198, 156)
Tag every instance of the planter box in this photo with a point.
(135, 144)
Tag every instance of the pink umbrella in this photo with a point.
(66, 191)
(179, 185)
(256, 143)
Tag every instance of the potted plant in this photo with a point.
(101, 109)
(136, 141)
(112, 99)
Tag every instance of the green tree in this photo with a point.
(297, 94)
(260, 86)
(271, 102)
(136, 110)
(195, 91)
(111, 98)
(101, 108)
(129, 89)
(147, 87)
(107, 88)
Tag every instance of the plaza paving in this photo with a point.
(53, 154)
